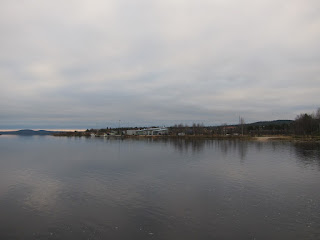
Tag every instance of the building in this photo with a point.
(131, 132)
(148, 131)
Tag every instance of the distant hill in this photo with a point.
(268, 123)
(28, 132)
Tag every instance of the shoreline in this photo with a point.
(269, 138)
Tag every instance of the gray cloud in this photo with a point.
(86, 63)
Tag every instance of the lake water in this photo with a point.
(96, 188)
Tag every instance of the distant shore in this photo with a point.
(89, 134)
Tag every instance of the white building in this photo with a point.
(148, 131)
(132, 132)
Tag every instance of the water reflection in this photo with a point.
(97, 188)
(308, 153)
(182, 145)
(196, 146)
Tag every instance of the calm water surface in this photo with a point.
(95, 188)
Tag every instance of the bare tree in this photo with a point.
(317, 117)
(241, 123)
(317, 114)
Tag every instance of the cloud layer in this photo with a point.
(89, 63)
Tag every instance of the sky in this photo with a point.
(91, 63)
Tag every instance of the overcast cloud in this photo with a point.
(81, 64)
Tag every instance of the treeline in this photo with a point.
(307, 124)
(304, 124)
(200, 129)
(278, 127)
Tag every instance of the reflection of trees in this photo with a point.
(259, 146)
(224, 146)
(180, 144)
(185, 145)
(243, 150)
(275, 145)
(198, 145)
(234, 145)
(308, 153)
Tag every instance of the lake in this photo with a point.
(96, 188)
